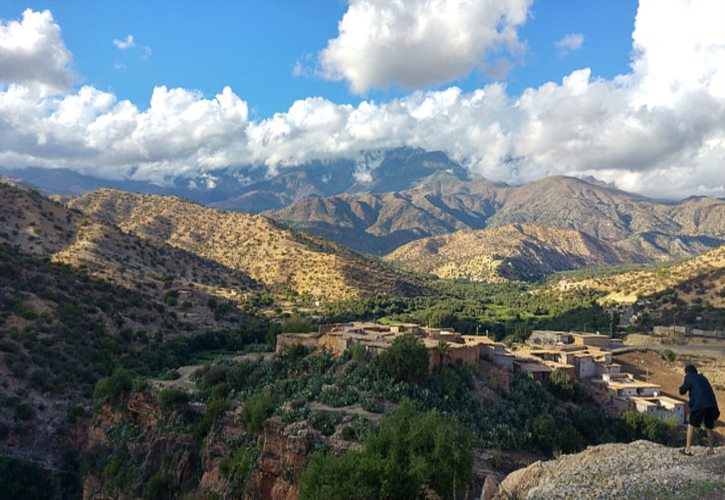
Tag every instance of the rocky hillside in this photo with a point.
(251, 244)
(77, 296)
(38, 226)
(636, 470)
(513, 252)
(443, 203)
(699, 279)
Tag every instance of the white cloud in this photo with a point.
(130, 43)
(127, 43)
(657, 130)
(570, 43)
(32, 53)
(413, 43)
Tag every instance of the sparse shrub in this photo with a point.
(564, 387)
(348, 433)
(159, 487)
(213, 412)
(257, 410)
(171, 398)
(570, 440)
(643, 426)
(24, 412)
(358, 351)
(669, 356)
(115, 386)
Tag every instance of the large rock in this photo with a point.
(635, 470)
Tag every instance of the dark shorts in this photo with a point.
(707, 415)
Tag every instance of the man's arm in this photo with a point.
(685, 386)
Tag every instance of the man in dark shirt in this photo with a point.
(702, 404)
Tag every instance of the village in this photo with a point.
(585, 357)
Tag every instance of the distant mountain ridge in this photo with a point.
(380, 223)
(251, 188)
(387, 199)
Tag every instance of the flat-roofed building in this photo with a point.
(538, 370)
(661, 407)
(338, 337)
(591, 339)
(629, 386)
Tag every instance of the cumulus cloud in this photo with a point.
(658, 130)
(181, 132)
(414, 43)
(127, 43)
(569, 43)
(32, 53)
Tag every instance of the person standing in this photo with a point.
(702, 405)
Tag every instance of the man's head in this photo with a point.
(690, 369)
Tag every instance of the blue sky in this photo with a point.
(630, 92)
(253, 46)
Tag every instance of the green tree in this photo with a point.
(410, 452)
(443, 350)
(406, 359)
(543, 430)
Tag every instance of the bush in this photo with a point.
(570, 440)
(24, 412)
(213, 412)
(543, 432)
(257, 410)
(237, 469)
(159, 487)
(669, 356)
(563, 387)
(171, 398)
(643, 426)
(406, 359)
(409, 452)
(115, 386)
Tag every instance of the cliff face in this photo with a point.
(128, 449)
(283, 459)
(636, 470)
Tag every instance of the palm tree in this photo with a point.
(443, 350)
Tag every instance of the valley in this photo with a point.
(135, 327)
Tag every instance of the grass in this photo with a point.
(704, 489)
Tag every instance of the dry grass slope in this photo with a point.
(38, 226)
(513, 252)
(252, 244)
(706, 272)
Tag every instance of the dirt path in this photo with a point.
(185, 382)
(350, 410)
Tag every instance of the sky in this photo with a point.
(629, 92)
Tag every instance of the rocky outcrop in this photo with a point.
(284, 456)
(636, 470)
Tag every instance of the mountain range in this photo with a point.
(387, 200)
